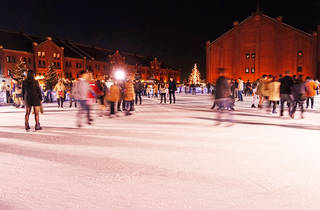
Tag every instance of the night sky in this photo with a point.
(173, 31)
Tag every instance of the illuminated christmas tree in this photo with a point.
(51, 79)
(18, 73)
(194, 77)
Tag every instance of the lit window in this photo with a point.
(247, 70)
(43, 54)
(8, 59)
(247, 55)
(58, 55)
(300, 53)
(54, 55)
(39, 53)
(253, 70)
(253, 55)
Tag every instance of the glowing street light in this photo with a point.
(120, 75)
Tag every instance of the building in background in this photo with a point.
(263, 45)
(70, 58)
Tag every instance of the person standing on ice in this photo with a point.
(255, 97)
(72, 99)
(299, 96)
(129, 96)
(162, 90)
(262, 90)
(138, 89)
(121, 103)
(60, 90)
(32, 98)
(274, 93)
(310, 91)
(100, 90)
(286, 84)
(223, 96)
(113, 96)
(80, 92)
(240, 89)
(172, 89)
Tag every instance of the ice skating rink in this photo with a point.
(164, 156)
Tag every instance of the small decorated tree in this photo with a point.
(194, 78)
(18, 72)
(51, 78)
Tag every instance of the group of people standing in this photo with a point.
(165, 90)
(122, 95)
(293, 91)
(13, 94)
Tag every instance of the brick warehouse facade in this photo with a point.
(70, 58)
(263, 45)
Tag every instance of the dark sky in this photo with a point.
(174, 31)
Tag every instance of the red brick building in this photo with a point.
(263, 45)
(70, 58)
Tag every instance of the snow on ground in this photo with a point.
(161, 157)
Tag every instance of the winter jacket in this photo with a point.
(310, 88)
(138, 87)
(286, 85)
(94, 91)
(155, 89)
(240, 85)
(31, 92)
(274, 91)
(299, 91)
(222, 88)
(113, 94)
(80, 89)
(59, 89)
(129, 91)
(264, 91)
(172, 86)
(162, 89)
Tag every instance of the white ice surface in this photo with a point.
(161, 157)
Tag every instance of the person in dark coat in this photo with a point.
(172, 89)
(32, 98)
(223, 97)
(286, 84)
(298, 93)
(138, 88)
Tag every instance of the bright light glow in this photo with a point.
(39, 77)
(120, 75)
(109, 83)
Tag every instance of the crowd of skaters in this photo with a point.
(288, 92)
(268, 92)
(86, 93)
